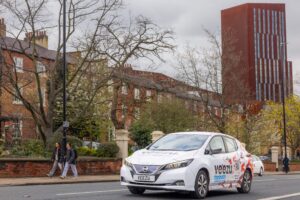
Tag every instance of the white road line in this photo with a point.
(90, 192)
(286, 179)
(281, 197)
(265, 180)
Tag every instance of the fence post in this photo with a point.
(156, 135)
(122, 142)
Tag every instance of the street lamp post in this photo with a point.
(65, 123)
(282, 45)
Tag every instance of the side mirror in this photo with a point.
(207, 152)
(216, 151)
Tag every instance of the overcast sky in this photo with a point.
(188, 17)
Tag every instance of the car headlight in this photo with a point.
(128, 164)
(177, 165)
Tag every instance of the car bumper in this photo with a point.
(180, 179)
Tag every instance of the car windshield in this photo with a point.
(179, 142)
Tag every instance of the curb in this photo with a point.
(59, 182)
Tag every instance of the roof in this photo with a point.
(159, 85)
(20, 46)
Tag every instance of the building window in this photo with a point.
(16, 99)
(263, 45)
(259, 21)
(44, 96)
(148, 93)
(268, 20)
(18, 63)
(258, 45)
(195, 106)
(110, 86)
(159, 98)
(124, 111)
(17, 128)
(136, 93)
(264, 21)
(136, 113)
(124, 89)
(40, 67)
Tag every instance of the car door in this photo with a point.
(256, 164)
(233, 159)
(216, 154)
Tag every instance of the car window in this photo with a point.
(230, 144)
(217, 143)
(179, 142)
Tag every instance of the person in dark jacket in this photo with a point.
(70, 162)
(57, 159)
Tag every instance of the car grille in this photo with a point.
(146, 169)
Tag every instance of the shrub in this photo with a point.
(31, 148)
(108, 150)
(57, 137)
(140, 134)
(86, 151)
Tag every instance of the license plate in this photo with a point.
(144, 178)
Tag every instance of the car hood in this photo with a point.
(147, 157)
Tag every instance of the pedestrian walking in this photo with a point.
(71, 158)
(286, 161)
(57, 159)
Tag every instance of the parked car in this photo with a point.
(263, 158)
(258, 165)
(189, 161)
(91, 144)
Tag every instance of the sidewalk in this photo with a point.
(56, 180)
(282, 173)
(80, 179)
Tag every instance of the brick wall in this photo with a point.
(270, 166)
(294, 166)
(41, 167)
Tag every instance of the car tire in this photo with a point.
(246, 182)
(136, 190)
(261, 171)
(201, 185)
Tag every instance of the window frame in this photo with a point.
(18, 68)
(209, 147)
(234, 141)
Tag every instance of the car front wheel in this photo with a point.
(246, 183)
(201, 185)
(136, 190)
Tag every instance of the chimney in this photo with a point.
(2, 28)
(41, 38)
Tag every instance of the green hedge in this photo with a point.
(108, 150)
(86, 151)
(30, 148)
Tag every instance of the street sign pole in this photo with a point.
(65, 123)
(283, 108)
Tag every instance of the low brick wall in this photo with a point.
(270, 166)
(12, 167)
(294, 166)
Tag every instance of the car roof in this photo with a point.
(199, 132)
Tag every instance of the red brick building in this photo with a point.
(258, 35)
(139, 87)
(16, 120)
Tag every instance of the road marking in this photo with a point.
(265, 180)
(286, 179)
(90, 192)
(281, 197)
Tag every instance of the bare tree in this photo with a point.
(106, 37)
(203, 69)
(140, 39)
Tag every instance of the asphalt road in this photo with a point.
(263, 188)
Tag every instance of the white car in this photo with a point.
(189, 161)
(258, 166)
